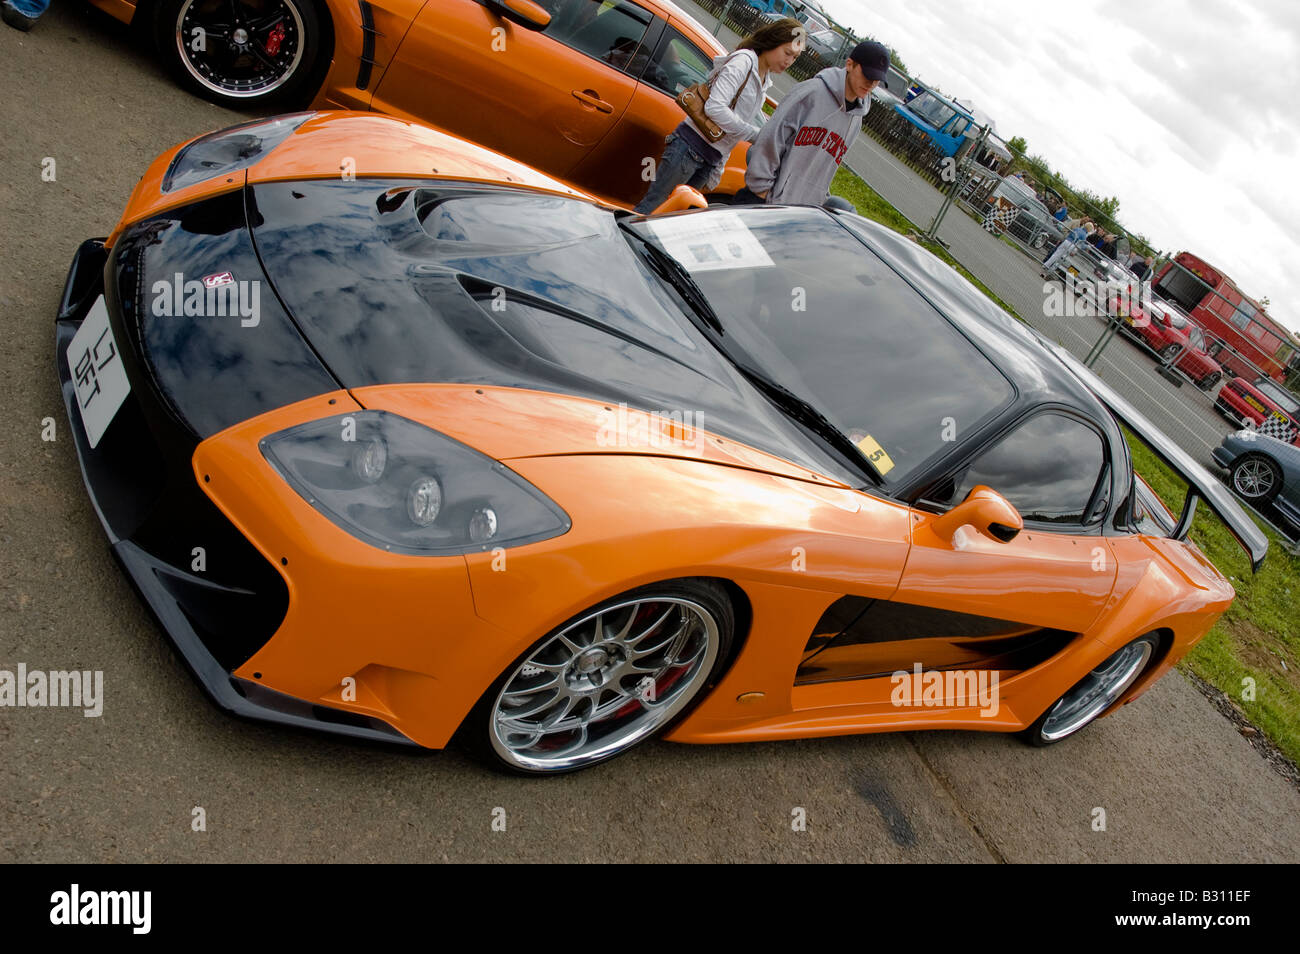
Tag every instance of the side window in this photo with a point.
(1240, 317)
(1245, 312)
(677, 64)
(608, 30)
(1047, 468)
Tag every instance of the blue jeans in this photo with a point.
(681, 164)
(1067, 245)
(30, 8)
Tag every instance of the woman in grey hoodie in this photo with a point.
(691, 159)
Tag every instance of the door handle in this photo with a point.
(589, 97)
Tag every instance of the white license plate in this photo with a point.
(97, 372)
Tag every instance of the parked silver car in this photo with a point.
(1033, 224)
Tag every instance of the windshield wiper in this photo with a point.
(675, 273)
(804, 413)
(794, 407)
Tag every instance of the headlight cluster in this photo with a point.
(229, 150)
(406, 488)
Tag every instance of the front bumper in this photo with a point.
(217, 598)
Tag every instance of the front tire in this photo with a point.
(1092, 695)
(243, 53)
(605, 681)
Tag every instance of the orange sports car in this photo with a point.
(581, 89)
(439, 446)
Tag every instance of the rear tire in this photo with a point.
(244, 54)
(1089, 698)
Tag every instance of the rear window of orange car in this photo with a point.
(609, 30)
(677, 63)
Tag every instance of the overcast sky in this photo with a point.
(1188, 111)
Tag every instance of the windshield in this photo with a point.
(1174, 314)
(1018, 186)
(803, 300)
(1013, 190)
(1283, 399)
(932, 110)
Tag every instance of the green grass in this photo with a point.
(1263, 624)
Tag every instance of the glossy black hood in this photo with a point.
(216, 356)
(401, 282)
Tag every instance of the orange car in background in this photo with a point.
(583, 90)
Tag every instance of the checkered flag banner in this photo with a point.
(1278, 427)
(997, 220)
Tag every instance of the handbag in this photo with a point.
(693, 98)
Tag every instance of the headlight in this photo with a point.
(229, 150)
(401, 486)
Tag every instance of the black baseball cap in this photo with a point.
(873, 57)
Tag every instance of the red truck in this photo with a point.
(1212, 300)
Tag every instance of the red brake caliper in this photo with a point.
(275, 39)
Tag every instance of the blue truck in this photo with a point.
(942, 120)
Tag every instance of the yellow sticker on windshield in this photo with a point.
(876, 454)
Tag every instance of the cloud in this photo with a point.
(1184, 110)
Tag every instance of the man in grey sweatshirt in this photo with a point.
(796, 154)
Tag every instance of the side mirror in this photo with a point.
(984, 509)
(524, 12)
(682, 197)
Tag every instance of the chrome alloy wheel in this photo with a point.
(240, 48)
(1098, 690)
(1253, 478)
(603, 683)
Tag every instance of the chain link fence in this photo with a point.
(1259, 360)
(825, 46)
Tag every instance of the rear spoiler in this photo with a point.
(1201, 484)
